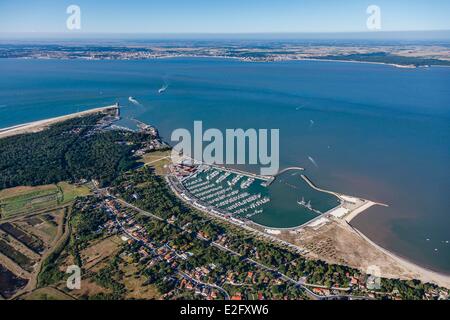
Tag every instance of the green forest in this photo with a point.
(67, 151)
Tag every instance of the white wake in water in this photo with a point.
(163, 88)
(313, 161)
(134, 101)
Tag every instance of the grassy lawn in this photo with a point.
(70, 191)
(158, 160)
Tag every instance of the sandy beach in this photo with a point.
(336, 241)
(416, 271)
(40, 125)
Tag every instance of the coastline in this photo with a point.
(283, 59)
(419, 272)
(400, 66)
(415, 270)
(36, 126)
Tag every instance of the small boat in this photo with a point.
(308, 205)
(302, 203)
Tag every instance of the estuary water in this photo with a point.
(373, 131)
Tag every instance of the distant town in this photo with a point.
(405, 55)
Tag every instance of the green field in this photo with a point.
(70, 192)
(158, 160)
(26, 199)
(19, 200)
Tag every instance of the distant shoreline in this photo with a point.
(396, 65)
(400, 66)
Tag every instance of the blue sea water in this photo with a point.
(377, 131)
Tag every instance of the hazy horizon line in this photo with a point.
(369, 34)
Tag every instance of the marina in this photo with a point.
(272, 201)
(229, 192)
(286, 202)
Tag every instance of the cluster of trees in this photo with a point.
(86, 220)
(50, 272)
(109, 277)
(384, 57)
(407, 289)
(66, 151)
(151, 193)
(162, 276)
(85, 223)
(289, 262)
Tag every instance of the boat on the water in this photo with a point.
(308, 205)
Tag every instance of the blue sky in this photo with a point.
(222, 16)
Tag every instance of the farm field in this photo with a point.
(15, 255)
(32, 222)
(9, 283)
(25, 200)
